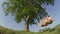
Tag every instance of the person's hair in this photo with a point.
(48, 15)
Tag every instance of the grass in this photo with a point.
(4, 30)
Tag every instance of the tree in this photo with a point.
(26, 10)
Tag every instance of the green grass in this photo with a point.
(4, 30)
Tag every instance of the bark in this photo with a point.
(26, 24)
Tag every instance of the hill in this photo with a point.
(55, 30)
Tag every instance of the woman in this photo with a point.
(45, 21)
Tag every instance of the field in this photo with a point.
(55, 30)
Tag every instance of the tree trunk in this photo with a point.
(26, 24)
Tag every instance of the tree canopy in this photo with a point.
(20, 9)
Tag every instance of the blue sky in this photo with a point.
(9, 22)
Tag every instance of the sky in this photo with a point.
(9, 22)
